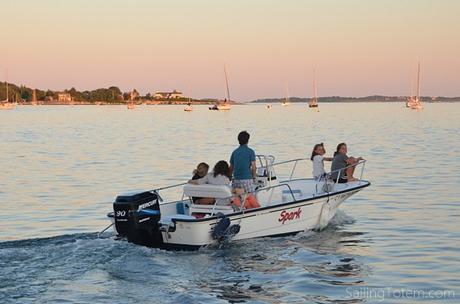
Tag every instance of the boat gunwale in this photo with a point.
(243, 212)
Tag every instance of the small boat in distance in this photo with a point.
(286, 101)
(269, 107)
(131, 105)
(34, 101)
(6, 104)
(225, 104)
(313, 103)
(414, 102)
(188, 108)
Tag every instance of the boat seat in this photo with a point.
(207, 190)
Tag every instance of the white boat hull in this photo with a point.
(274, 221)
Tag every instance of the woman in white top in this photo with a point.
(317, 157)
(220, 176)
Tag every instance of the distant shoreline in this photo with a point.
(212, 103)
(373, 99)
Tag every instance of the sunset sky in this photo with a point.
(358, 48)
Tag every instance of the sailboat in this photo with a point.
(414, 102)
(313, 103)
(286, 102)
(130, 104)
(34, 101)
(225, 105)
(189, 107)
(6, 104)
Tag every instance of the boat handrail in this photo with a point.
(275, 186)
(295, 161)
(328, 175)
(168, 187)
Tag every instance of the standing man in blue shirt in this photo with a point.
(243, 165)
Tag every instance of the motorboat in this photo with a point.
(269, 107)
(286, 207)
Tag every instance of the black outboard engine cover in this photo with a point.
(136, 217)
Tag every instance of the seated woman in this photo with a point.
(317, 157)
(200, 172)
(341, 161)
(219, 176)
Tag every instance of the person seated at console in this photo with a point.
(342, 161)
(220, 175)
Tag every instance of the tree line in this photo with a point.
(112, 94)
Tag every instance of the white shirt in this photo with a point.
(214, 180)
(318, 166)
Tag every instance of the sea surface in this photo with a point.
(397, 241)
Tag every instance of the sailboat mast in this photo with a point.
(226, 83)
(287, 93)
(7, 95)
(315, 93)
(418, 81)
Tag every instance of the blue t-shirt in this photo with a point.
(241, 161)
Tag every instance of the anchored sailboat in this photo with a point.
(189, 107)
(313, 103)
(131, 105)
(286, 101)
(225, 105)
(34, 101)
(6, 104)
(414, 102)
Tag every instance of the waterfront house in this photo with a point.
(64, 97)
(168, 95)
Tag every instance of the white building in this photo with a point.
(64, 97)
(168, 95)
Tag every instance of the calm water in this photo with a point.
(394, 242)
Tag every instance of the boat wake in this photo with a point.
(59, 268)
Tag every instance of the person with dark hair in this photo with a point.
(200, 172)
(317, 157)
(243, 164)
(219, 176)
(342, 161)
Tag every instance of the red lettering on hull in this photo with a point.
(288, 216)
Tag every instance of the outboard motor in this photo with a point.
(137, 216)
